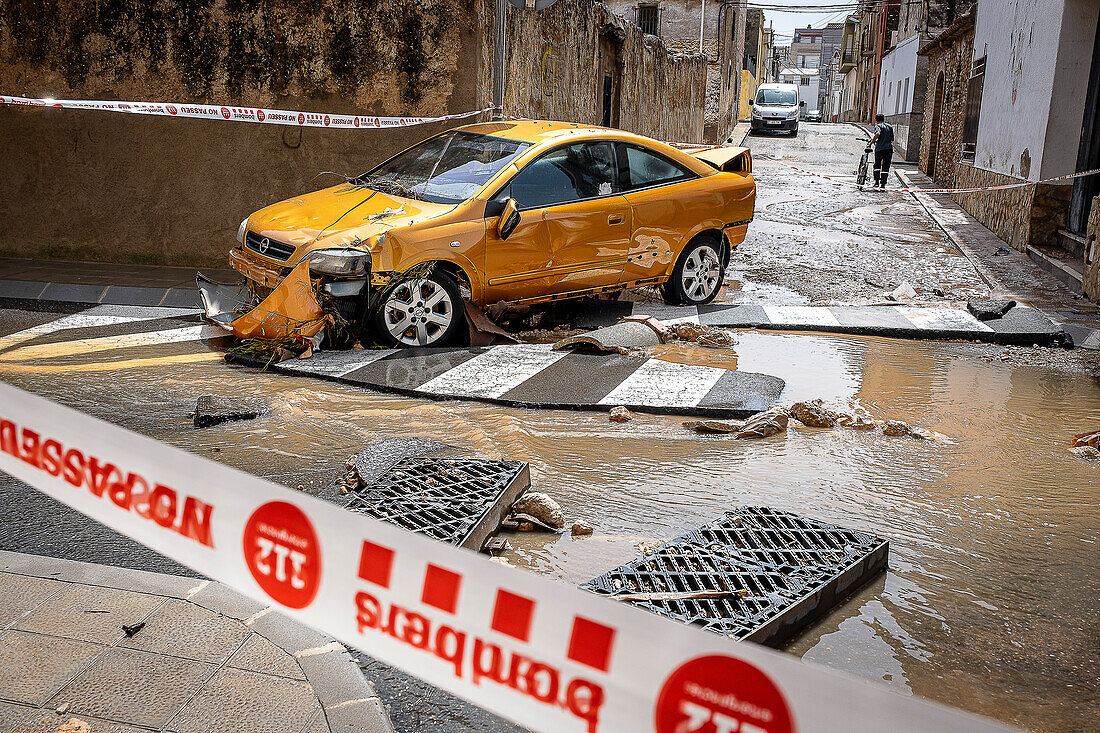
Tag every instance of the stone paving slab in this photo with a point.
(195, 666)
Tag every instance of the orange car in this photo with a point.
(522, 212)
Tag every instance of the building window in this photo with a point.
(973, 109)
(804, 81)
(647, 19)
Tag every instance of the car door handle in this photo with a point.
(615, 219)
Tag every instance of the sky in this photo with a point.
(785, 23)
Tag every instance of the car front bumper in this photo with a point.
(759, 125)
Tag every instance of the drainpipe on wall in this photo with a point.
(702, 15)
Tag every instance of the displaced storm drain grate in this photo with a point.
(457, 501)
(756, 573)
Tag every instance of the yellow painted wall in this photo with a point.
(748, 91)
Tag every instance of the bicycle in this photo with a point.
(861, 172)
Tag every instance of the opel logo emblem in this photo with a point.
(264, 244)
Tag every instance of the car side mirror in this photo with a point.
(801, 104)
(509, 219)
(750, 102)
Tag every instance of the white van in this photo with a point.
(775, 108)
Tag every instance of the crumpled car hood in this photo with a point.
(339, 215)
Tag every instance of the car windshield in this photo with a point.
(777, 97)
(446, 169)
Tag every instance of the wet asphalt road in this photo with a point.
(992, 580)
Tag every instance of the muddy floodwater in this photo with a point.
(991, 600)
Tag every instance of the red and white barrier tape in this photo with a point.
(956, 190)
(545, 654)
(239, 114)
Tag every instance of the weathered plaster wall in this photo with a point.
(1035, 50)
(554, 59)
(104, 186)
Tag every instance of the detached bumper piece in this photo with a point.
(291, 311)
(756, 573)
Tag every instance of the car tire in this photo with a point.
(430, 308)
(686, 288)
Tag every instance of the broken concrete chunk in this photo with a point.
(212, 411)
(688, 331)
(713, 426)
(763, 424)
(814, 414)
(904, 291)
(75, 725)
(857, 422)
(664, 333)
(987, 310)
(921, 433)
(521, 519)
(620, 338)
(895, 428)
(715, 339)
(581, 529)
(541, 507)
(620, 414)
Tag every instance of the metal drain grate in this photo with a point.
(457, 501)
(756, 573)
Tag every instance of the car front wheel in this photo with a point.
(697, 276)
(423, 312)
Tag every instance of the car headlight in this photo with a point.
(792, 115)
(756, 113)
(338, 262)
(241, 230)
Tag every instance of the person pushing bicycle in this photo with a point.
(883, 142)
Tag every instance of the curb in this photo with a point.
(99, 294)
(348, 700)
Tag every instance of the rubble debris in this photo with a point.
(988, 310)
(894, 428)
(688, 331)
(541, 507)
(210, 410)
(523, 519)
(814, 414)
(620, 338)
(902, 292)
(501, 561)
(921, 433)
(713, 426)
(63, 708)
(580, 529)
(756, 573)
(664, 333)
(75, 725)
(764, 424)
(291, 311)
(857, 422)
(620, 414)
(524, 526)
(1085, 451)
(716, 339)
(132, 629)
(497, 545)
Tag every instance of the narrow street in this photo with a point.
(990, 598)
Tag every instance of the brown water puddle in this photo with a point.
(991, 599)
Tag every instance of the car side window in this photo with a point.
(570, 173)
(645, 169)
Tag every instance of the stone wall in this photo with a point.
(554, 59)
(1091, 284)
(104, 186)
(1021, 216)
(941, 145)
(101, 186)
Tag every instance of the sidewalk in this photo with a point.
(104, 283)
(88, 648)
(1009, 273)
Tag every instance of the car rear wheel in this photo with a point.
(697, 276)
(422, 312)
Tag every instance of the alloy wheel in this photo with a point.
(418, 313)
(702, 268)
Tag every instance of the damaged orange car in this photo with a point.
(521, 212)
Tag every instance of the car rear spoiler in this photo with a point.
(727, 160)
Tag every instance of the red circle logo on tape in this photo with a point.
(717, 693)
(260, 115)
(301, 118)
(283, 554)
(357, 122)
(171, 109)
(225, 112)
(326, 120)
